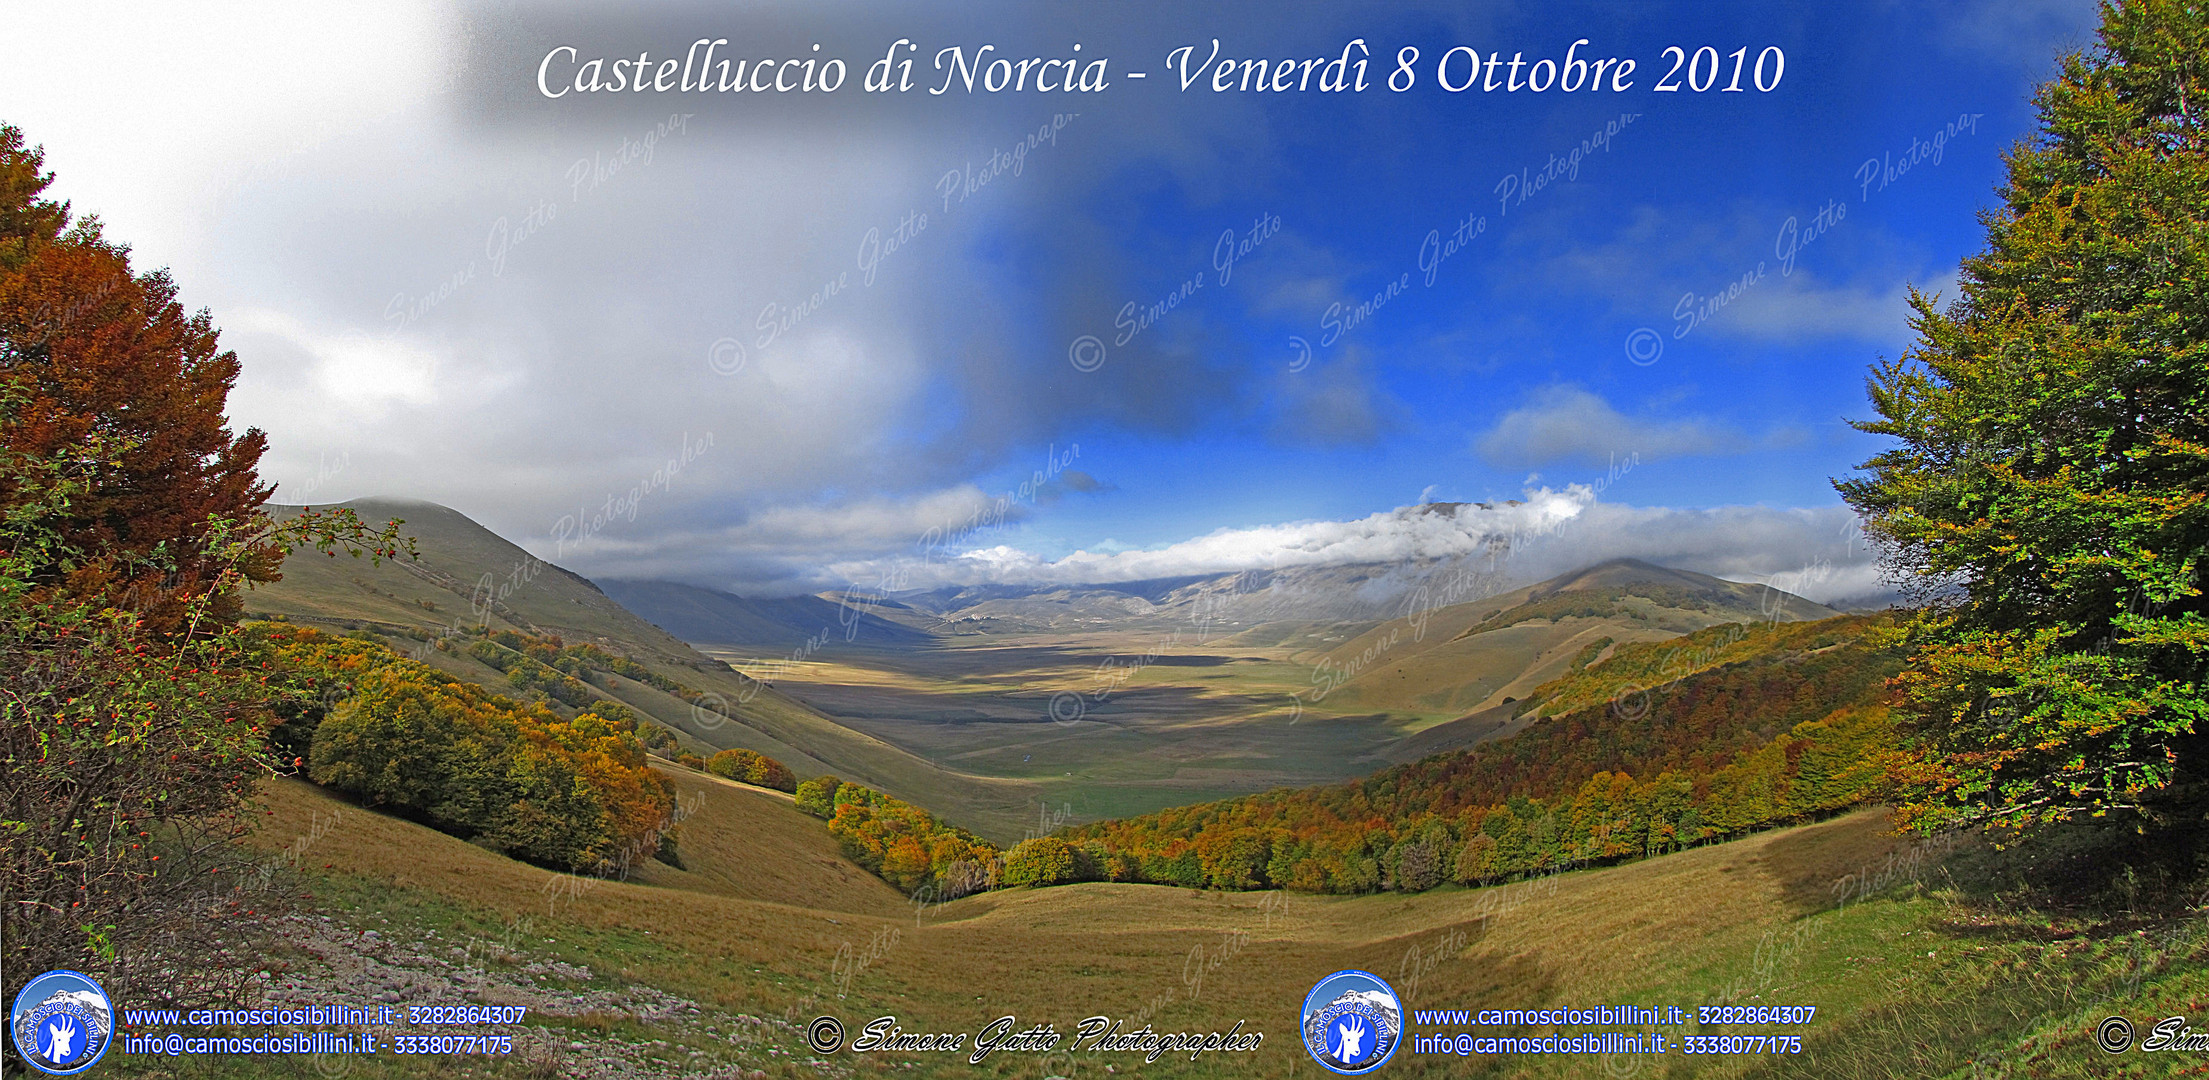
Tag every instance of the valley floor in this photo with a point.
(1103, 725)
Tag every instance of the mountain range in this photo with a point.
(991, 704)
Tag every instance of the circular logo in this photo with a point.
(1087, 353)
(333, 1065)
(725, 356)
(1631, 703)
(2115, 1034)
(825, 1034)
(1644, 346)
(1066, 708)
(1622, 1066)
(61, 1023)
(1352, 1022)
(709, 710)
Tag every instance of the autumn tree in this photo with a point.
(2046, 493)
(818, 796)
(1045, 860)
(93, 349)
(752, 767)
(135, 718)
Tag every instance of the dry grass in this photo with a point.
(770, 919)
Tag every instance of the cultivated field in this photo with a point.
(1100, 724)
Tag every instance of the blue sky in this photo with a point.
(342, 186)
(1745, 408)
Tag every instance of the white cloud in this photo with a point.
(1567, 423)
(1805, 304)
(333, 187)
(352, 372)
(784, 549)
(1816, 553)
(1430, 531)
(223, 97)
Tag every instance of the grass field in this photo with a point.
(1914, 970)
(1918, 962)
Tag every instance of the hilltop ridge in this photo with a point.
(467, 576)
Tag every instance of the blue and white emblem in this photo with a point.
(61, 1023)
(1352, 1022)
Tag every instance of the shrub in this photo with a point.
(575, 795)
(752, 768)
(1045, 860)
(818, 796)
(1418, 866)
(904, 844)
(659, 740)
(1476, 860)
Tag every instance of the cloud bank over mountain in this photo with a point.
(1816, 553)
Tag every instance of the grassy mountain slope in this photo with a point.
(1448, 662)
(1792, 730)
(748, 843)
(771, 626)
(468, 576)
(1912, 976)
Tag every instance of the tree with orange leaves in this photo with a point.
(135, 716)
(94, 351)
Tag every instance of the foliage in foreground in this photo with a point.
(134, 716)
(2050, 489)
(126, 761)
(570, 794)
(129, 754)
